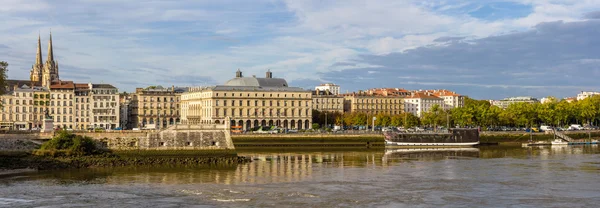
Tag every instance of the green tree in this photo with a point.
(411, 120)
(563, 112)
(316, 126)
(3, 77)
(383, 120)
(397, 120)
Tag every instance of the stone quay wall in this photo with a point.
(178, 137)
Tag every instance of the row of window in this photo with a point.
(317, 107)
(385, 101)
(277, 103)
(325, 101)
(160, 106)
(359, 106)
(158, 112)
(262, 112)
(161, 99)
(262, 94)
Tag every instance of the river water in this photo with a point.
(497, 176)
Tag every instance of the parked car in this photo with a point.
(575, 127)
(545, 128)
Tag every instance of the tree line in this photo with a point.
(480, 113)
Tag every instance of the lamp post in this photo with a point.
(447, 120)
(373, 124)
(325, 118)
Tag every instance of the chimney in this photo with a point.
(269, 74)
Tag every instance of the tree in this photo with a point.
(411, 120)
(563, 112)
(397, 120)
(3, 77)
(383, 120)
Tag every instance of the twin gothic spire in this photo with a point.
(38, 58)
(44, 73)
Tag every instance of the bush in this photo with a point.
(67, 144)
(315, 126)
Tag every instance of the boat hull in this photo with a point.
(388, 143)
(454, 137)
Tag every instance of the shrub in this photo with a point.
(67, 144)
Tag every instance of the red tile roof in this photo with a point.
(423, 95)
(62, 85)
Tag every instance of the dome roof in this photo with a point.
(257, 82)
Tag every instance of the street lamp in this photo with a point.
(373, 124)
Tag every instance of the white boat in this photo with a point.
(559, 142)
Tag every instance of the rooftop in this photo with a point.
(62, 85)
(105, 86)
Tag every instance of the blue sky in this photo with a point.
(487, 49)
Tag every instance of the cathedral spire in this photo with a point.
(38, 56)
(50, 53)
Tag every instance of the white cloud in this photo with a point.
(297, 39)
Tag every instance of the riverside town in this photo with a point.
(353, 106)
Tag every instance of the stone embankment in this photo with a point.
(18, 144)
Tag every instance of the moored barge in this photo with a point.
(453, 137)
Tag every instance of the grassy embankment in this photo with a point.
(73, 151)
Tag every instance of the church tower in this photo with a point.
(50, 73)
(38, 67)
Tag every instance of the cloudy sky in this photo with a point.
(487, 49)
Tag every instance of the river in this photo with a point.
(494, 176)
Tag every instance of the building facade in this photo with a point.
(451, 99)
(583, 94)
(325, 101)
(504, 103)
(105, 106)
(156, 107)
(249, 102)
(62, 98)
(125, 104)
(17, 108)
(420, 102)
(83, 109)
(332, 88)
(373, 104)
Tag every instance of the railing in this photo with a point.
(563, 136)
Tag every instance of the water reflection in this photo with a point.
(429, 153)
(269, 166)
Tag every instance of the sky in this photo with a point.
(485, 49)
